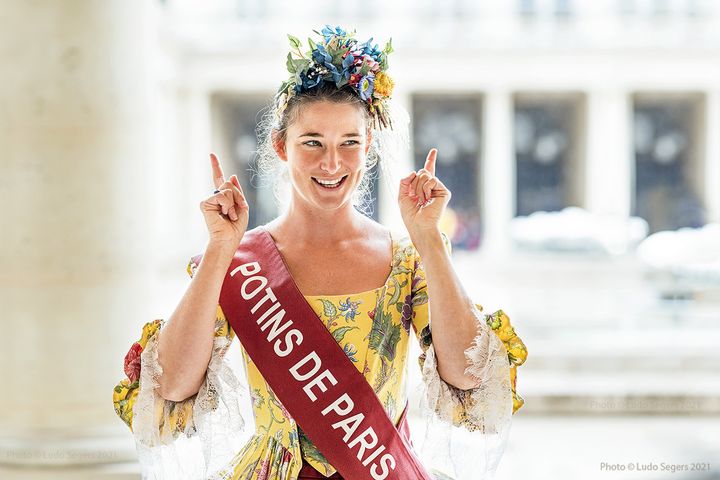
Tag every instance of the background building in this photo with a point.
(605, 114)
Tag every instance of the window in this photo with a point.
(668, 164)
(451, 123)
(234, 121)
(547, 152)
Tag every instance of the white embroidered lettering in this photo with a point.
(364, 443)
(318, 381)
(289, 348)
(374, 454)
(335, 406)
(269, 295)
(243, 290)
(294, 370)
(274, 322)
(349, 425)
(270, 310)
(387, 458)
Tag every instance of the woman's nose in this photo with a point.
(330, 162)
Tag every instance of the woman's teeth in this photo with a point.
(329, 184)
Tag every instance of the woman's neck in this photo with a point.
(308, 226)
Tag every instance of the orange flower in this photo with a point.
(383, 84)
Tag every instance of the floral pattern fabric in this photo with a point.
(374, 329)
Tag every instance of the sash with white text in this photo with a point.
(308, 370)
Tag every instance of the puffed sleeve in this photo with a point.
(165, 431)
(467, 429)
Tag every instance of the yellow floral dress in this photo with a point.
(373, 328)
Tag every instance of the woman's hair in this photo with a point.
(385, 148)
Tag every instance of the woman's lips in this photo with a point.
(330, 187)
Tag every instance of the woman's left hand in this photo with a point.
(423, 197)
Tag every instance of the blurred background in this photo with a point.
(580, 140)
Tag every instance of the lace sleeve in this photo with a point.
(467, 430)
(189, 438)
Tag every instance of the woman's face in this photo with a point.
(327, 142)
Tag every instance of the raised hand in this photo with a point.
(423, 197)
(226, 212)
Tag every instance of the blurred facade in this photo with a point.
(608, 108)
(603, 114)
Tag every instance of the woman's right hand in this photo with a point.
(227, 212)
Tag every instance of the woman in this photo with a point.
(369, 286)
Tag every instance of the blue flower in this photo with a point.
(321, 56)
(350, 308)
(347, 64)
(371, 50)
(350, 351)
(310, 79)
(366, 86)
(328, 32)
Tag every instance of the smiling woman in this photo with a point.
(324, 329)
(323, 150)
(341, 126)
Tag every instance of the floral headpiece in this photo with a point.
(341, 59)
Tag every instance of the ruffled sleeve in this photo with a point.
(467, 430)
(189, 438)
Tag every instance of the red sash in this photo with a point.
(307, 370)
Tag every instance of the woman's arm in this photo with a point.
(455, 320)
(185, 343)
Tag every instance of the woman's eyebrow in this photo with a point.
(315, 134)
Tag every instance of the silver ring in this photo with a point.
(216, 191)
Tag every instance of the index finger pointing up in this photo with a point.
(218, 176)
(430, 161)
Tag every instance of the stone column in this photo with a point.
(76, 132)
(498, 172)
(610, 160)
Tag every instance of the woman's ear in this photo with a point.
(279, 146)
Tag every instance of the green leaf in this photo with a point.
(328, 308)
(294, 41)
(396, 294)
(388, 46)
(384, 335)
(420, 298)
(365, 68)
(290, 64)
(402, 269)
(312, 44)
(339, 333)
(301, 64)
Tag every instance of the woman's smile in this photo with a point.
(329, 184)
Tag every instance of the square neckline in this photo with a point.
(393, 245)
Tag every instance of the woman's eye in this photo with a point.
(313, 143)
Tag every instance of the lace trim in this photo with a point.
(467, 430)
(187, 439)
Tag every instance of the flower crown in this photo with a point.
(341, 59)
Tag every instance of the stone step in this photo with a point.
(620, 392)
(608, 352)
